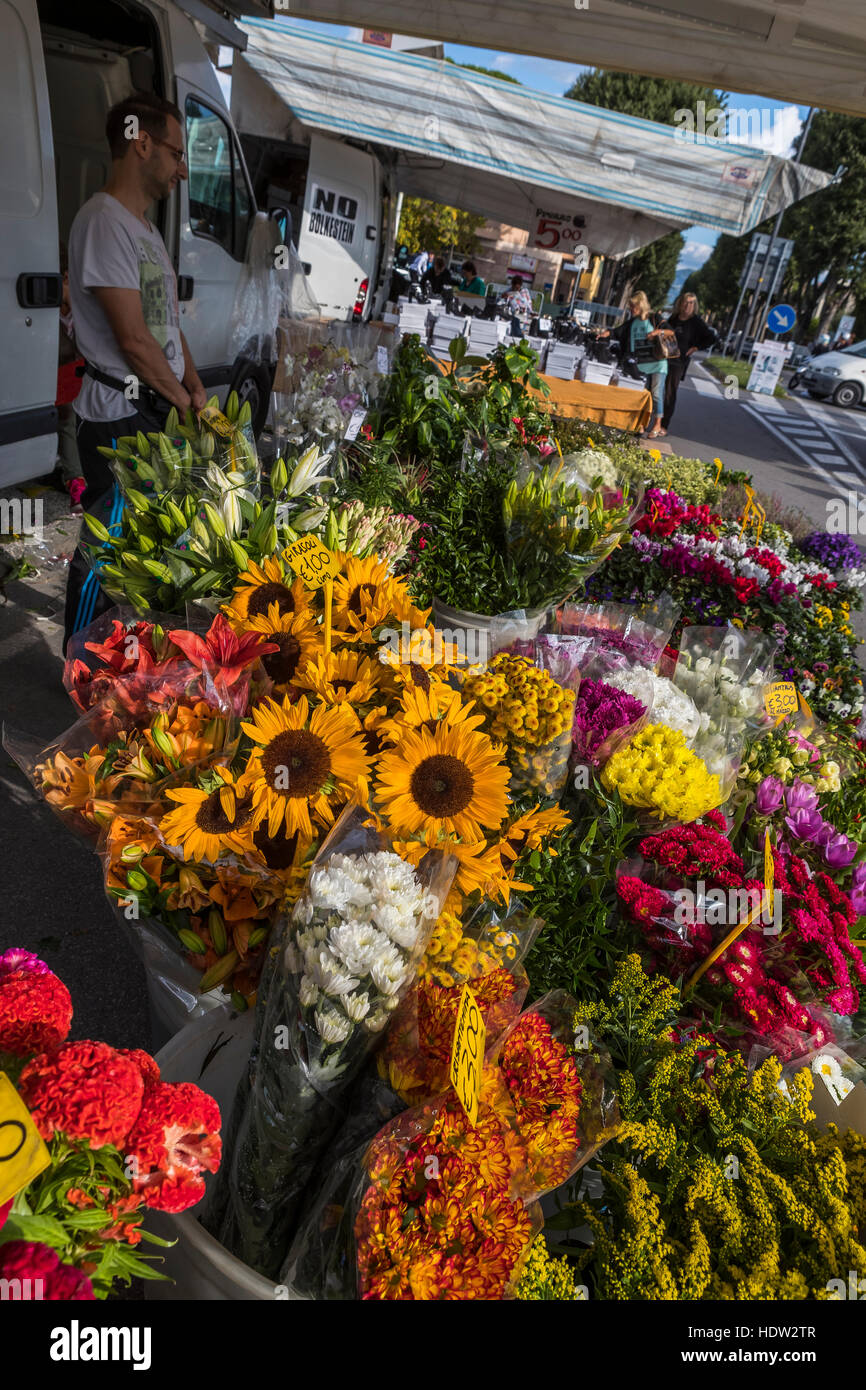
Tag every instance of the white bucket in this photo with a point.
(200, 1267)
(481, 637)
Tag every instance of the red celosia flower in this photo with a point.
(35, 1006)
(49, 1279)
(145, 1063)
(174, 1140)
(85, 1090)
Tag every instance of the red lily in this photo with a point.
(221, 649)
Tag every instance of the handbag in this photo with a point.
(659, 349)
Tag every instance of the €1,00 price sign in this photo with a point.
(312, 561)
(467, 1054)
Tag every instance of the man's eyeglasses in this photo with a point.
(180, 155)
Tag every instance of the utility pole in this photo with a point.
(762, 311)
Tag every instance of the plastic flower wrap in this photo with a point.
(637, 632)
(670, 705)
(561, 525)
(485, 951)
(531, 714)
(442, 1210)
(337, 971)
(605, 717)
(658, 772)
(325, 382)
(725, 670)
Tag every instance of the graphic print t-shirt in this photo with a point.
(110, 248)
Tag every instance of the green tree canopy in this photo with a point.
(717, 282)
(426, 226)
(651, 269)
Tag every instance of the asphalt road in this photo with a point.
(52, 901)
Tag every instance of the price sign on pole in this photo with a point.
(780, 699)
(467, 1054)
(23, 1155)
(312, 562)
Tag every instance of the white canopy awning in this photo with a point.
(604, 180)
(806, 51)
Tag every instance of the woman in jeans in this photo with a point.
(637, 328)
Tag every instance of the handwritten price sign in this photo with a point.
(23, 1155)
(312, 562)
(780, 699)
(467, 1054)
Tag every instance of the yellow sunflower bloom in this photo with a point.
(304, 762)
(260, 586)
(209, 822)
(299, 640)
(425, 708)
(450, 781)
(344, 676)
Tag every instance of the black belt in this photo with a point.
(152, 399)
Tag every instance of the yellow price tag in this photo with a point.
(312, 561)
(769, 867)
(467, 1054)
(215, 420)
(23, 1155)
(780, 699)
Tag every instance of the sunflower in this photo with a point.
(479, 869)
(299, 640)
(449, 780)
(209, 820)
(346, 675)
(530, 831)
(261, 585)
(422, 708)
(362, 597)
(304, 760)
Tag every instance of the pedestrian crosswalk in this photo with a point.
(814, 432)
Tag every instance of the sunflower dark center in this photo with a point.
(372, 743)
(419, 676)
(281, 666)
(296, 763)
(442, 785)
(360, 596)
(342, 687)
(266, 594)
(212, 819)
(279, 852)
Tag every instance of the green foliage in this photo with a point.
(574, 893)
(651, 98)
(717, 282)
(488, 72)
(436, 227)
(651, 269)
(80, 1233)
(716, 1187)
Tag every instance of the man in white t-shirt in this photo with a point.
(123, 295)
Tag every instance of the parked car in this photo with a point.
(838, 376)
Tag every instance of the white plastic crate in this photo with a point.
(595, 373)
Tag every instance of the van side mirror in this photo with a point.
(283, 219)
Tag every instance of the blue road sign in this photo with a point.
(781, 318)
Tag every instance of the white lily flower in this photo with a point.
(310, 469)
(310, 520)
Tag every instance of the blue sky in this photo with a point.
(776, 128)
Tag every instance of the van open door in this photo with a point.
(341, 227)
(30, 284)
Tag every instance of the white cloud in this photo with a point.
(770, 128)
(694, 254)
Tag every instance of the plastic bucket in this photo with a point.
(211, 1052)
(481, 636)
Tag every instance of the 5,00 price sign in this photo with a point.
(467, 1054)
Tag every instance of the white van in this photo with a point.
(63, 63)
(340, 194)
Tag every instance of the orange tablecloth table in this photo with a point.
(618, 406)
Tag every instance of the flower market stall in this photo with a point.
(484, 797)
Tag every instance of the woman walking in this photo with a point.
(638, 328)
(693, 335)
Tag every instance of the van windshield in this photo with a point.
(856, 349)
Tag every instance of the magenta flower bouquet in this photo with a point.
(600, 712)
